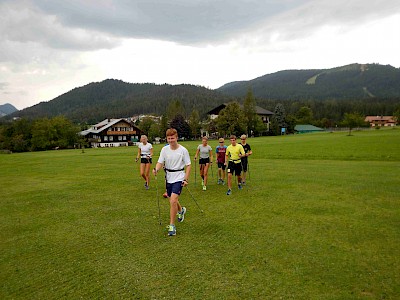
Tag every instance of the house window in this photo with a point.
(124, 138)
(105, 138)
(110, 138)
(119, 138)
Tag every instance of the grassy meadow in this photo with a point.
(318, 219)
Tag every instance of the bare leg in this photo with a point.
(230, 181)
(147, 173)
(174, 207)
(142, 171)
(239, 179)
(205, 173)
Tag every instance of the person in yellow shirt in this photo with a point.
(234, 153)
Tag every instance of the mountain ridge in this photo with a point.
(6, 109)
(344, 82)
(113, 98)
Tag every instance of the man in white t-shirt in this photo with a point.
(174, 158)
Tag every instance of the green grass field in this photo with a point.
(318, 219)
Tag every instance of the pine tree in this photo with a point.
(249, 107)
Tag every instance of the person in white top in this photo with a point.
(145, 153)
(205, 160)
(174, 158)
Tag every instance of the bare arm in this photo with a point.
(138, 154)
(157, 168)
(197, 153)
(187, 174)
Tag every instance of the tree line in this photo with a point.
(62, 133)
(234, 119)
(42, 134)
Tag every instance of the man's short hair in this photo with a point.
(243, 137)
(233, 137)
(171, 131)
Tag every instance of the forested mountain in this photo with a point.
(354, 81)
(7, 109)
(369, 89)
(115, 99)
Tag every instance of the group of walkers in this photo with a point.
(175, 160)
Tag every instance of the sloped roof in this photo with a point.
(103, 125)
(262, 111)
(307, 128)
(379, 118)
(259, 110)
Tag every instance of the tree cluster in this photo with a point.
(42, 134)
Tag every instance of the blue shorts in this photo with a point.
(175, 188)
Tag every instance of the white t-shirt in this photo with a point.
(145, 149)
(174, 160)
(204, 151)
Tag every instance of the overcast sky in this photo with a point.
(48, 47)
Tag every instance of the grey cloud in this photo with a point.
(306, 19)
(23, 23)
(342, 13)
(77, 25)
(182, 21)
(3, 85)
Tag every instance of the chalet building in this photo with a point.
(111, 133)
(263, 113)
(380, 121)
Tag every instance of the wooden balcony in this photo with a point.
(122, 132)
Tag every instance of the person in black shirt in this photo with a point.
(245, 163)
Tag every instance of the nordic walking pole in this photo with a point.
(195, 170)
(158, 200)
(248, 168)
(195, 200)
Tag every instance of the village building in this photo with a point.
(380, 121)
(112, 133)
(264, 114)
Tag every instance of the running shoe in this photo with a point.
(181, 214)
(219, 181)
(240, 186)
(243, 182)
(229, 192)
(171, 230)
(204, 188)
